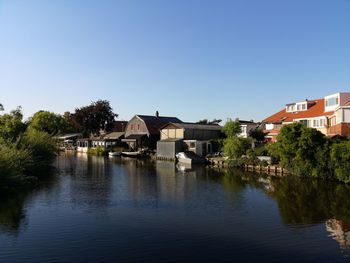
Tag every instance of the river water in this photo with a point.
(125, 210)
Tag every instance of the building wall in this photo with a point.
(171, 133)
(188, 134)
(136, 126)
(167, 149)
(82, 149)
(339, 129)
(246, 128)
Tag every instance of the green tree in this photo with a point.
(340, 157)
(235, 147)
(257, 134)
(232, 128)
(50, 122)
(303, 151)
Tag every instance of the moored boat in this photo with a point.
(114, 154)
(131, 154)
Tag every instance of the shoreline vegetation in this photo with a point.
(26, 154)
(28, 148)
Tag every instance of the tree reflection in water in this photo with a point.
(12, 204)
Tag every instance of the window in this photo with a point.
(332, 101)
(290, 108)
(303, 106)
(132, 126)
(138, 126)
(192, 145)
(298, 107)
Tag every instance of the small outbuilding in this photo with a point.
(197, 138)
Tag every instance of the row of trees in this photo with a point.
(88, 120)
(27, 148)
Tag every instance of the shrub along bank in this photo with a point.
(26, 154)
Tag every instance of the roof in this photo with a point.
(114, 135)
(315, 110)
(153, 123)
(171, 140)
(246, 122)
(68, 136)
(119, 126)
(195, 126)
(134, 137)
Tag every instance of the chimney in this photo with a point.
(157, 114)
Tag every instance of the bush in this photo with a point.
(99, 151)
(235, 147)
(340, 158)
(13, 163)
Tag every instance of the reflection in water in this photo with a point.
(339, 231)
(144, 201)
(306, 201)
(11, 213)
(12, 205)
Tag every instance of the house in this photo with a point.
(177, 137)
(142, 131)
(106, 141)
(330, 115)
(68, 141)
(246, 128)
(83, 145)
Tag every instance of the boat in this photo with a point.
(131, 154)
(189, 158)
(183, 158)
(114, 154)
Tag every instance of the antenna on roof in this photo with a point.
(157, 114)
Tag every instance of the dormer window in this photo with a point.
(295, 107)
(332, 101)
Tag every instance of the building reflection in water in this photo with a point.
(89, 179)
(340, 231)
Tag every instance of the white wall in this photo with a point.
(269, 126)
(347, 115)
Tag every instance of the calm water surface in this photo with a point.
(122, 210)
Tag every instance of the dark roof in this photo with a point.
(246, 122)
(119, 126)
(153, 123)
(195, 126)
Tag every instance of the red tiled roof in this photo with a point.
(348, 103)
(314, 111)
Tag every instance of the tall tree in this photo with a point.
(97, 116)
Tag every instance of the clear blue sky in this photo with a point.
(193, 59)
